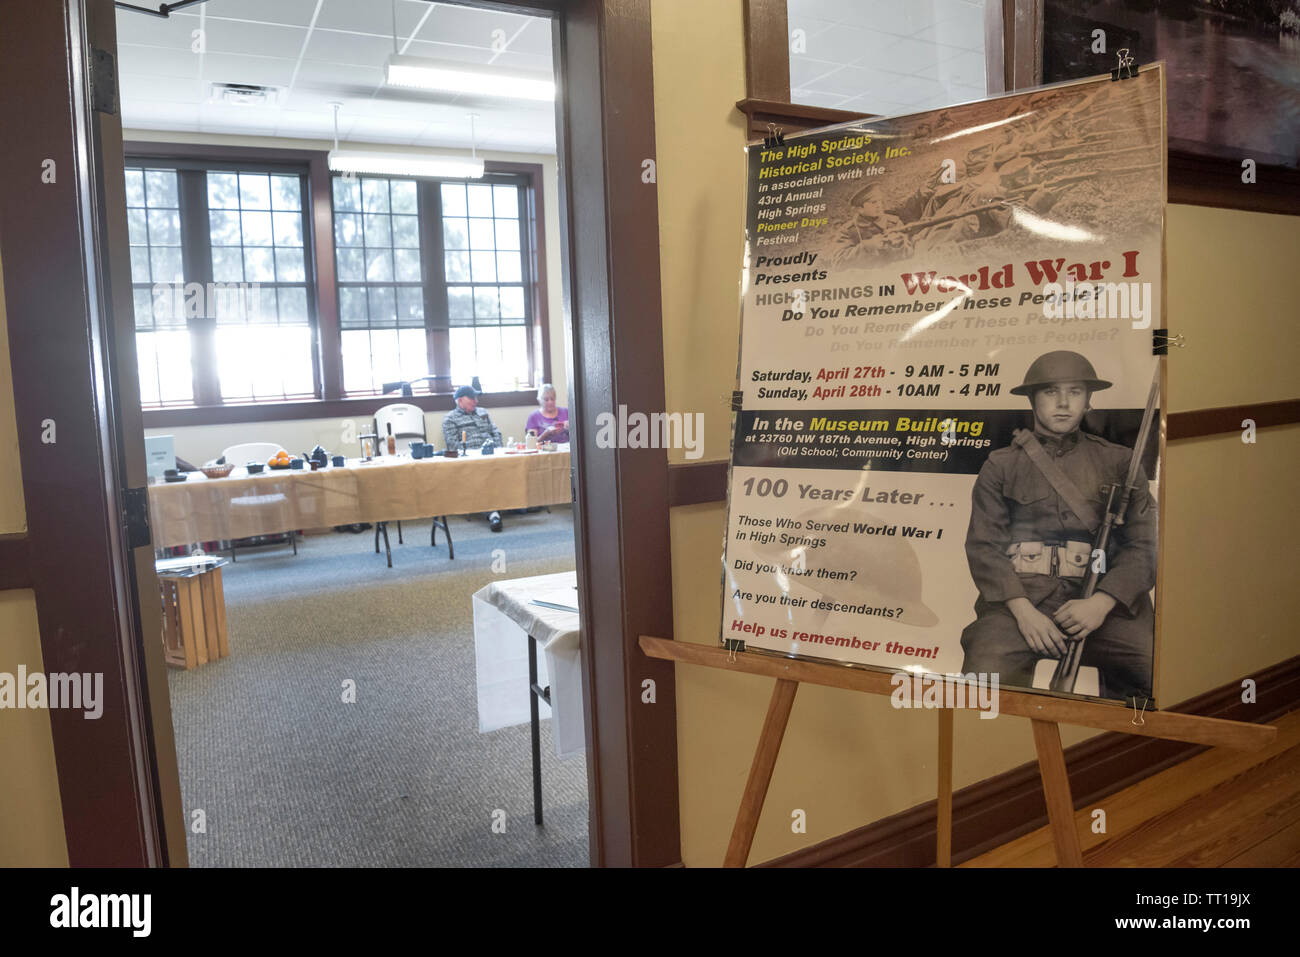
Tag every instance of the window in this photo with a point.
(162, 340)
(486, 305)
(224, 310)
(263, 333)
(887, 57)
(431, 277)
(381, 282)
(432, 280)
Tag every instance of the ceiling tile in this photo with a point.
(168, 89)
(154, 31)
(157, 61)
(350, 48)
(295, 13)
(258, 39)
(260, 70)
(450, 51)
(470, 26)
(371, 16)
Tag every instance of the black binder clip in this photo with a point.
(1127, 67)
(737, 401)
(1161, 340)
(774, 137)
(733, 645)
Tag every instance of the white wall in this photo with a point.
(199, 443)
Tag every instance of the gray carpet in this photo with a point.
(289, 775)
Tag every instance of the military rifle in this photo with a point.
(1067, 670)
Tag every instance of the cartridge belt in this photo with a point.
(1061, 559)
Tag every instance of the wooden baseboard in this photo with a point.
(1004, 807)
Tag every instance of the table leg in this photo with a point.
(533, 694)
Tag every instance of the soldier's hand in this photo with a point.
(1039, 632)
(1082, 616)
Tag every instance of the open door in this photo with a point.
(87, 554)
(63, 244)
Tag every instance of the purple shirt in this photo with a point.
(540, 423)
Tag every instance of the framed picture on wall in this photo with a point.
(1233, 86)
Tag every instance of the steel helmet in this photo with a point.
(1061, 366)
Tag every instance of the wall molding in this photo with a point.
(1002, 808)
(15, 562)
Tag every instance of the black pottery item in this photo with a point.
(254, 468)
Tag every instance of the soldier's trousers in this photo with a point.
(1121, 649)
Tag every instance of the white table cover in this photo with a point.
(504, 617)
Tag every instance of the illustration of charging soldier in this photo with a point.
(1035, 511)
(870, 230)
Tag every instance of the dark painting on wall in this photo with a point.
(1233, 81)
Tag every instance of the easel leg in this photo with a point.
(760, 772)
(943, 853)
(1056, 788)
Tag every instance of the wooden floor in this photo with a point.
(1220, 809)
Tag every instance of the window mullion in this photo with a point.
(434, 267)
(535, 373)
(196, 257)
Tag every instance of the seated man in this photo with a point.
(1030, 543)
(468, 425)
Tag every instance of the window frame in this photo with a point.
(331, 401)
(437, 322)
(196, 253)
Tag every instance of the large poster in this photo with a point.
(946, 363)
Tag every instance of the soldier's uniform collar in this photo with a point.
(1057, 443)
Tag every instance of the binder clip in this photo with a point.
(1127, 67)
(1161, 341)
(733, 645)
(737, 401)
(774, 137)
(1139, 716)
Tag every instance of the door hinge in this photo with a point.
(103, 82)
(135, 517)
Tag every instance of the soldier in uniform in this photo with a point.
(1035, 508)
(870, 230)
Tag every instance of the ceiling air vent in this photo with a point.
(242, 94)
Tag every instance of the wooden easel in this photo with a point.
(1044, 712)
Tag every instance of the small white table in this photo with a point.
(544, 609)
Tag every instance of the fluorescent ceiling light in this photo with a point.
(428, 74)
(404, 164)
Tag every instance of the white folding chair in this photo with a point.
(242, 454)
(247, 452)
(407, 422)
(408, 425)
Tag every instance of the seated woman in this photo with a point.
(550, 422)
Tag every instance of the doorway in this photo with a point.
(632, 789)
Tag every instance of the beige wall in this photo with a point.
(198, 444)
(31, 816)
(851, 759)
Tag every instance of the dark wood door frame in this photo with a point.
(80, 441)
(68, 305)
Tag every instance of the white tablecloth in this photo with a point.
(504, 617)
